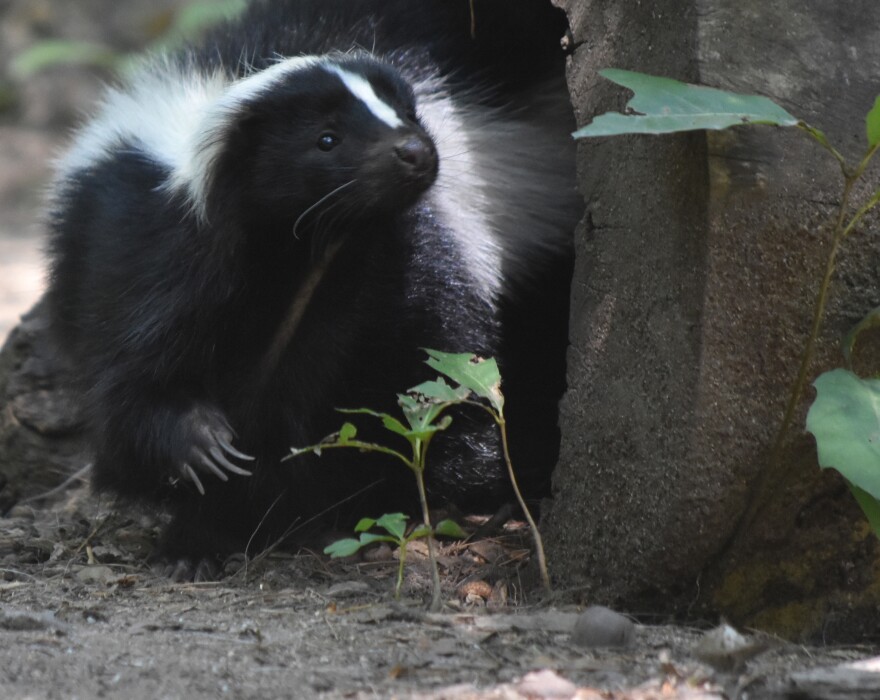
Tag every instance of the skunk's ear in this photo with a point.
(230, 145)
(224, 136)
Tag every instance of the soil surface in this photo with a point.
(82, 615)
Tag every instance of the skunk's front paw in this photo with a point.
(208, 448)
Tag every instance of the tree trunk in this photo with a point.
(698, 264)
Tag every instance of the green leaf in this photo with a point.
(421, 415)
(872, 123)
(52, 52)
(419, 531)
(438, 390)
(870, 507)
(479, 375)
(450, 528)
(342, 548)
(390, 422)
(395, 523)
(346, 433)
(395, 426)
(663, 106)
(871, 320)
(845, 420)
(364, 524)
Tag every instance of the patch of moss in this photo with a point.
(791, 596)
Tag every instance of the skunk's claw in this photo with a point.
(209, 444)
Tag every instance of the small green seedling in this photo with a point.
(477, 382)
(482, 380)
(395, 525)
(844, 417)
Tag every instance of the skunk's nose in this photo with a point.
(417, 154)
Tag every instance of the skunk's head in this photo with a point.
(307, 137)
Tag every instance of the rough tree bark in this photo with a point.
(699, 259)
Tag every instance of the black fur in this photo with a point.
(175, 317)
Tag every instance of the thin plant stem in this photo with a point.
(774, 475)
(498, 417)
(822, 140)
(536, 534)
(436, 600)
(401, 549)
(818, 317)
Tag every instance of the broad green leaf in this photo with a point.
(872, 123)
(450, 528)
(395, 523)
(871, 320)
(439, 390)
(663, 106)
(870, 507)
(342, 548)
(479, 375)
(346, 433)
(845, 420)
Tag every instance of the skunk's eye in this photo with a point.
(328, 141)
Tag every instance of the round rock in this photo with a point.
(598, 626)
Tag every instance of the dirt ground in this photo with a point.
(83, 616)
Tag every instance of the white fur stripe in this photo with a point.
(460, 195)
(194, 169)
(255, 84)
(361, 88)
(179, 117)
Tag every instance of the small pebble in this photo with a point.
(96, 574)
(598, 626)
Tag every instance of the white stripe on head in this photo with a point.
(180, 117)
(253, 85)
(360, 87)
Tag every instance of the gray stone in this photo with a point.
(598, 626)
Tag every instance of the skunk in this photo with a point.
(254, 231)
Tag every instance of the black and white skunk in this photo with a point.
(271, 225)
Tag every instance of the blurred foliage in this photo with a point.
(169, 29)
